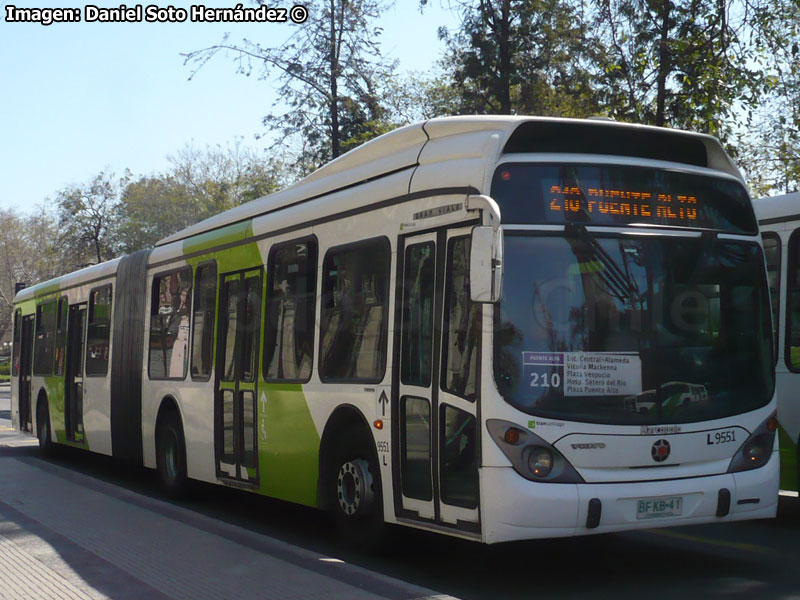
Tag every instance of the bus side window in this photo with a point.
(355, 296)
(793, 304)
(169, 324)
(45, 338)
(61, 335)
(17, 342)
(290, 302)
(205, 301)
(462, 324)
(772, 253)
(417, 325)
(99, 331)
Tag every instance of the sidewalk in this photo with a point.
(65, 535)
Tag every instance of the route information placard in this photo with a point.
(585, 373)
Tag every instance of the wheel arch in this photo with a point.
(168, 405)
(344, 416)
(41, 397)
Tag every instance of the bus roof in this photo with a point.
(90, 274)
(777, 209)
(490, 137)
(447, 140)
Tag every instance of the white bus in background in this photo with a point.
(779, 218)
(454, 327)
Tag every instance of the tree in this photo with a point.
(682, 63)
(200, 184)
(152, 208)
(87, 220)
(418, 97)
(519, 56)
(328, 71)
(770, 138)
(28, 254)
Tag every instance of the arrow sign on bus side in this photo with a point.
(383, 401)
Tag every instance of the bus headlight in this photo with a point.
(531, 456)
(756, 450)
(540, 461)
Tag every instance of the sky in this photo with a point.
(80, 98)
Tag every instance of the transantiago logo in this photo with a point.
(660, 451)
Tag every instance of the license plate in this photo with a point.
(649, 508)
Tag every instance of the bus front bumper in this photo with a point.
(515, 508)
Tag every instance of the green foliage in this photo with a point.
(87, 220)
(770, 138)
(329, 72)
(417, 97)
(29, 253)
(520, 56)
(200, 184)
(152, 208)
(108, 216)
(682, 63)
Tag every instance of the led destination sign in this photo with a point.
(621, 195)
(680, 208)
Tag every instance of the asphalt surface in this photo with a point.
(748, 559)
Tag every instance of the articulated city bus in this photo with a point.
(779, 217)
(496, 328)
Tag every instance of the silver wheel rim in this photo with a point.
(354, 486)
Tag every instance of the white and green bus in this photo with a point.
(779, 218)
(496, 328)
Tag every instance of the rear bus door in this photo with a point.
(73, 383)
(238, 345)
(436, 383)
(25, 372)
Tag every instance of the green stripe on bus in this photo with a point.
(56, 402)
(54, 387)
(218, 237)
(788, 453)
(51, 287)
(288, 444)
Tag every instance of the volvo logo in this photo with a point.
(591, 446)
(660, 451)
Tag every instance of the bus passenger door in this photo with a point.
(73, 383)
(435, 435)
(25, 365)
(238, 345)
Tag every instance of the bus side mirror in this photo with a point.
(486, 264)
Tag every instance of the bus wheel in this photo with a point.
(171, 455)
(43, 427)
(355, 490)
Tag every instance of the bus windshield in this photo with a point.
(632, 329)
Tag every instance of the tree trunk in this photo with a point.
(505, 57)
(664, 64)
(334, 104)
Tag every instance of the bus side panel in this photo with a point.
(54, 388)
(288, 444)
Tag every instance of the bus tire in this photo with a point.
(171, 455)
(354, 488)
(43, 432)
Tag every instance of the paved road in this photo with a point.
(758, 559)
(66, 533)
